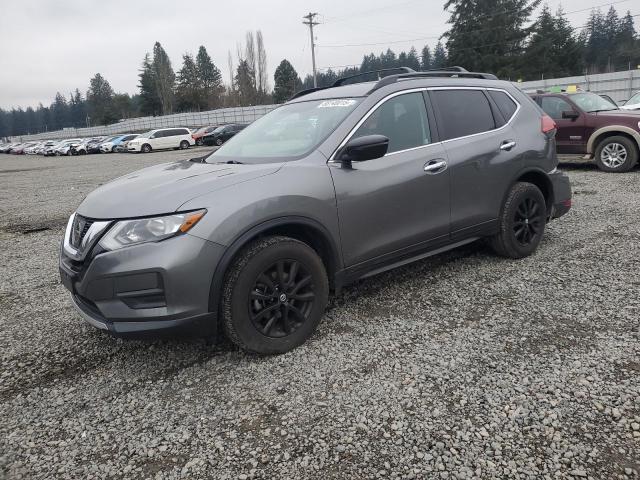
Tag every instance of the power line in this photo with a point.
(465, 32)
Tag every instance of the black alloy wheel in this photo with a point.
(529, 221)
(281, 299)
(521, 223)
(274, 295)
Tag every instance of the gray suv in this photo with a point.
(335, 185)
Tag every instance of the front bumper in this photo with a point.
(561, 194)
(150, 288)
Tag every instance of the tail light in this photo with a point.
(547, 125)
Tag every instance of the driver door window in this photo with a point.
(554, 106)
(402, 119)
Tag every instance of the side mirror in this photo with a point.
(364, 148)
(571, 114)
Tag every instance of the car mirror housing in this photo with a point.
(360, 149)
(571, 114)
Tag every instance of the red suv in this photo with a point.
(591, 125)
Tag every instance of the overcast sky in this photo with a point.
(48, 46)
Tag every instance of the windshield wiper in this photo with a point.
(231, 162)
(604, 110)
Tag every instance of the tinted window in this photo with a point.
(402, 119)
(463, 112)
(554, 106)
(506, 106)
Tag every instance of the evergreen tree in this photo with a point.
(245, 84)
(78, 109)
(425, 58)
(100, 101)
(412, 59)
(164, 79)
(553, 50)
(210, 80)
(59, 112)
(286, 82)
(149, 99)
(188, 90)
(595, 54)
(439, 56)
(488, 35)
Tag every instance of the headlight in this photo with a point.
(143, 230)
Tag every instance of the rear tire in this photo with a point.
(219, 141)
(184, 145)
(521, 223)
(274, 295)
(146, 148)
(199, 142)
(616, 154)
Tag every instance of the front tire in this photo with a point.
(146, 148)
(199, 142)
(274, 295)
(616, 154)
(219, 142)
(521, 223)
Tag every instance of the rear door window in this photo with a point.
(462, 112)
(402, 119)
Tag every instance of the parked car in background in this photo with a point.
(593, 126)
(94, 146)
(160, 139)
(633, 103)
(363, 178)
(109, 145)
(222, 134)
(64, 147)
(84, 146)
(45, 146)
(123, 145)
(201, 132)
(8, 146)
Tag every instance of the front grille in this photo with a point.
(79, 229)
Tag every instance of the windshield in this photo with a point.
(590, 102)
(290, 131)
(218, 129)
(635, 99)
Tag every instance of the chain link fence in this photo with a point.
(142, 124)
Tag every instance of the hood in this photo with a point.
(164, 188)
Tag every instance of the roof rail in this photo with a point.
(302, 93)
(454, 72)
(342, 80)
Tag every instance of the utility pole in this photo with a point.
(311, 23)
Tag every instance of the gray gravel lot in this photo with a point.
(464, 365)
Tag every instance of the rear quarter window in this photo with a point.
(506, 106)
(462, 112)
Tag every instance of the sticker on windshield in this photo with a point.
(336, 103)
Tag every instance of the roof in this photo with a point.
(365, 88)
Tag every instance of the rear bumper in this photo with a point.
(561, 194)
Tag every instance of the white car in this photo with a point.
(64, 147)
(160, 139)
(633, 103)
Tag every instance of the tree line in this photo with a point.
(497, 36)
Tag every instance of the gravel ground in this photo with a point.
(464, 365)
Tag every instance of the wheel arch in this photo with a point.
(304, 229)
(610, 131)
(540, 179)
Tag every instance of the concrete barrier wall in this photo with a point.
(143, 124)
(618, 85)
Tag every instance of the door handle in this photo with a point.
(507, 145)
(435, 166)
